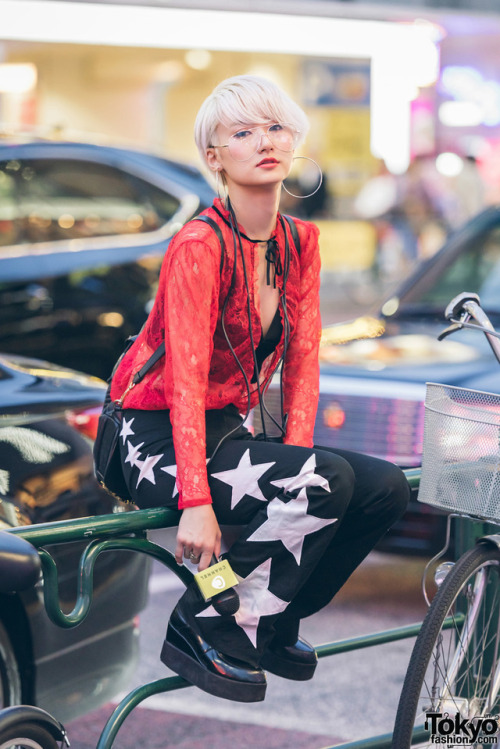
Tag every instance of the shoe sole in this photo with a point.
(197, 675)
(284, 668)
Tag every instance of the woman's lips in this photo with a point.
(268, 162)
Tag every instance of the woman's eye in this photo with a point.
(276, 128)
(242, 134)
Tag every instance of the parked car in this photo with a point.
(48, 417)
(83, 229)
(374, 369)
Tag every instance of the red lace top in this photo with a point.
(198, 371)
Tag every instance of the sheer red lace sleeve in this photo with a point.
(301, 370)
(191, 284)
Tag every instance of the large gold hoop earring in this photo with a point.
(307, 158)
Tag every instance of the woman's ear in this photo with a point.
(212, 160)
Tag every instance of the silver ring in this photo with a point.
(193, 557)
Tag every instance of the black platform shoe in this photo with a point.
(189, 655)
(297, 662)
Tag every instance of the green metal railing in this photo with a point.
(128, 531)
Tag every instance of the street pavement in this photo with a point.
(352, 696)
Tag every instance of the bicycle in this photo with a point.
(451, 692)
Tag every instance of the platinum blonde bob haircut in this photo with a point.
(245, 99)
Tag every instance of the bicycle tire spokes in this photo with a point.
(454, 671)
(461, 682)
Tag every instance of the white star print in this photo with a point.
(146, 468)
(256, 600)
(244, 479)
(289, 523)
(305, 477)
(172, 471)
(133, 453)
(126, 431)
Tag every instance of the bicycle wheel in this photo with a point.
(451, 673)
(27, 735)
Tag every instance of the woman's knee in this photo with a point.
(395, 491)
(338, 473)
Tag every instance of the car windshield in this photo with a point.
(474, 267)
(46, 200)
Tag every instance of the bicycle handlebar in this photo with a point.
(467, 306)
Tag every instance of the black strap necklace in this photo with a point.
(273, 259)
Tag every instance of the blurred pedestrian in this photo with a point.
(379, 202)
(229, 313)
(469, 192)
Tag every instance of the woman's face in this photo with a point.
(258, 154)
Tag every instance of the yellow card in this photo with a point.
(215, 579)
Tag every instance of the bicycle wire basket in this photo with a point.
(461, 456)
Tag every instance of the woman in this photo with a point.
(228, 311)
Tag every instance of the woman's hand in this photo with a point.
(198, 537)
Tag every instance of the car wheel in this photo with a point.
(27, 736)
(10, 677)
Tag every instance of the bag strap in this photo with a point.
(215, 226)
(294, 231)
(155, 356)
(160, 351)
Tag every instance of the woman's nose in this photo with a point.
(265, 141)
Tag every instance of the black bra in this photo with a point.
(268, 342)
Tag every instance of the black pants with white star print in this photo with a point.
(308, 517)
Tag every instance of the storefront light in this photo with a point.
(402, 53)
(421, 57)
(17, 78)
(432, 30)
(169, 72)
(460, 81)
(198, 59)
(479, 97)
(139, 25)
(460, 114)
(449, 164)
